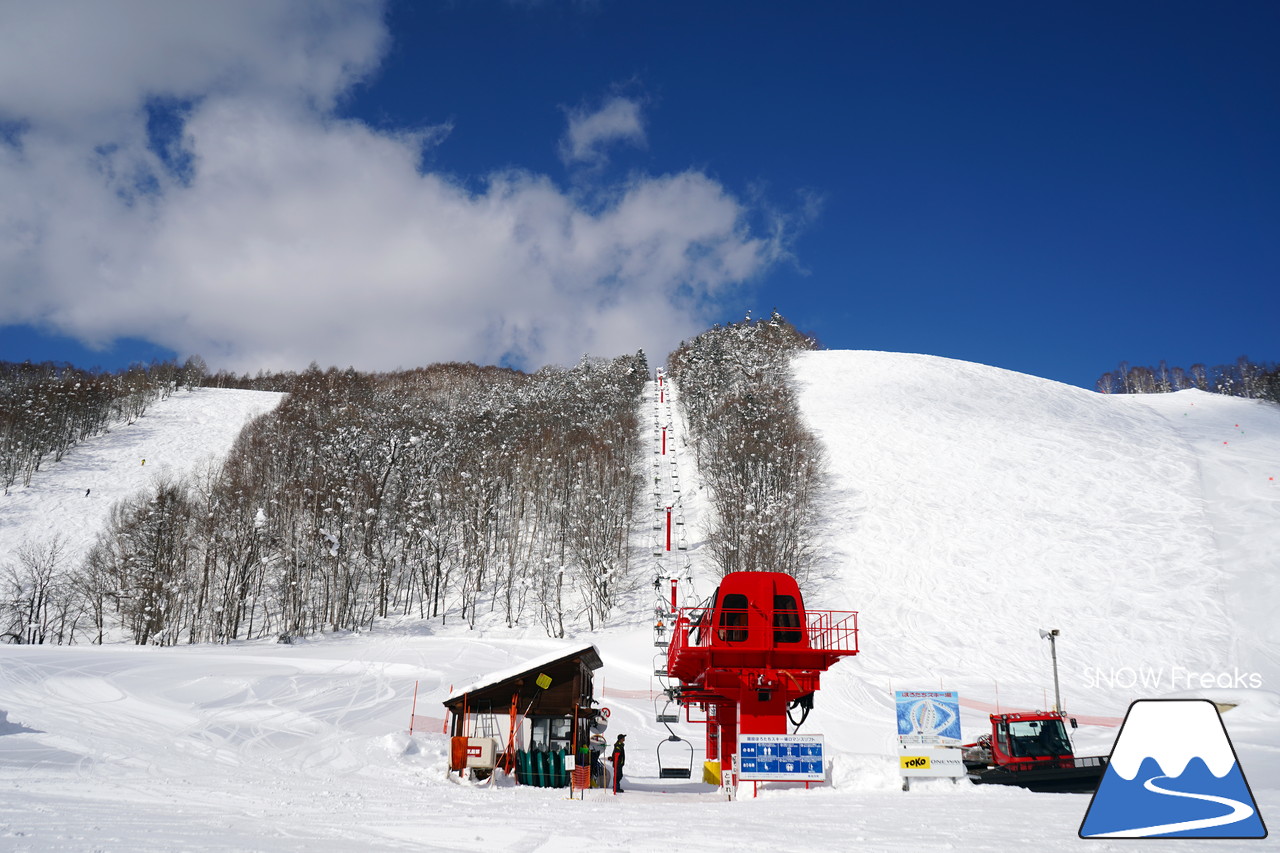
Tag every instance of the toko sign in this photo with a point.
(930, 761)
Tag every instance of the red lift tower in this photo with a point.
(752, 655)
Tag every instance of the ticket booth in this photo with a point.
(533, 721)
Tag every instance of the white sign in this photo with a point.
(930, 761)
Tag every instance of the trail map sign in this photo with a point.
(763, 758)
(928, 717)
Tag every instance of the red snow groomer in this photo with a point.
(1031, 749)
(751, 656)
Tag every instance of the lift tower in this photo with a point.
(753, 654)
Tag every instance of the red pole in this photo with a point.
(674, 582)
(662, 396)
(414, 712)
(668, 528)
(664, 441)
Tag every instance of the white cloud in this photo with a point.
(72, 62)
(294, 236)
(590, 133)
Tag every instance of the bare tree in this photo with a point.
(37, 604)
(762, 464)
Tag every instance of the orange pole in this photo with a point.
(509, 760)
(463, 772)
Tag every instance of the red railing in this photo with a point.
(826, 630)
(833, 630)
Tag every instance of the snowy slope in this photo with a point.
(973, 506)
(177, 437)
(969, 507)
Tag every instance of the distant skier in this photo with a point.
(619, 758)
(86, 492)
(144, 462)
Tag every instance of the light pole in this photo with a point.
(1052, 636)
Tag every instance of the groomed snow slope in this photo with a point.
(178, 436)
(962, 497)
(972, 507)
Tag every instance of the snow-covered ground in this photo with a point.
(969, 508)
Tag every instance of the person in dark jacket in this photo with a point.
(619, 758)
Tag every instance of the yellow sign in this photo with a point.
(543, 681)
(914, 762)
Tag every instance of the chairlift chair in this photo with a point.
(670, 769)
(663, 626)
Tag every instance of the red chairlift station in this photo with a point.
(751, 656)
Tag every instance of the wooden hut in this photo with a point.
(529, 719)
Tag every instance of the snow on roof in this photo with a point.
(521, 668)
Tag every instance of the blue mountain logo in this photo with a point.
(1173, 774)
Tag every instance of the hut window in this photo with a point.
(550, 733)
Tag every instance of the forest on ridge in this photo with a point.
(452, 492)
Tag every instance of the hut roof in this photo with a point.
(558, 664)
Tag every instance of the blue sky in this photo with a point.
(1049, 188)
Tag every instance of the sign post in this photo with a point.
(929, 735)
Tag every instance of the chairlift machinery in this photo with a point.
(746, 660)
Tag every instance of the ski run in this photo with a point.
(967, 508)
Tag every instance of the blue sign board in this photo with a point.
(765, 758)
(928, 716)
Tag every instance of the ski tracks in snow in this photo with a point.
(972, 506)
